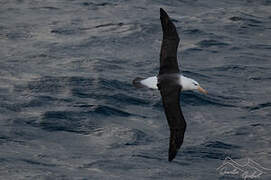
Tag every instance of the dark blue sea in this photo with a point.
(68, 109)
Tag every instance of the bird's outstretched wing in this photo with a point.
(168, 53)
(168, 85)
(170, 97)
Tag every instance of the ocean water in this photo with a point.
(68, 109)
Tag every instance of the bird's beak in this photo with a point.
(202, 90)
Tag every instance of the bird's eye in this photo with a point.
(195, 84)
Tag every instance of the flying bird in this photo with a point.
(170, 82)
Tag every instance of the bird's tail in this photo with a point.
(137, 82)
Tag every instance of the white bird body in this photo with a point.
(185, 82)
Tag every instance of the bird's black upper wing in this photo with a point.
(169, 86)
(171, 101)
(168, 53)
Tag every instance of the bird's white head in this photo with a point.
(190, 84)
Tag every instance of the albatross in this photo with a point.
(170, 82)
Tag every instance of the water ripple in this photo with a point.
(211, 42)
(191, 98)
(259, 106)
(109, 111)
(213, 150)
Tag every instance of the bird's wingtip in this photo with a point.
(163, 13)
(170, 158)
(172, 154)
(176, 140)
